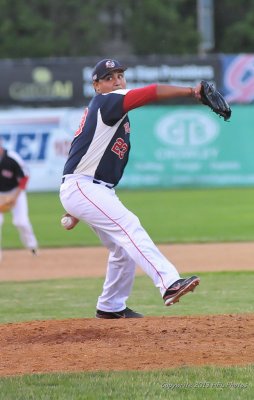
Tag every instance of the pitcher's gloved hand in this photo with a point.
(210, 97)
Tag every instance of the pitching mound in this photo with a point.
(138, 344)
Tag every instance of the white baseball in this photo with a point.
(66, 221)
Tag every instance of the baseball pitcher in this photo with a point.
(98, 156)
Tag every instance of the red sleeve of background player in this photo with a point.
(23, 182)
(139, 97)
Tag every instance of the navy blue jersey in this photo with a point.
(101, 145)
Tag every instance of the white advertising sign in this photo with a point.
(42, 137)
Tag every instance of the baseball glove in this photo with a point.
(6, 203)
(213, 99)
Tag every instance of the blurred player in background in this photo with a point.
(13, 182)
(96, 162)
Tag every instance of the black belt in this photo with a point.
(94, 181)
(101, 183)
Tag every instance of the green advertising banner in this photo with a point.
(189, 146)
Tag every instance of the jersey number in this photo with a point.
(120, 148)
(82, 123)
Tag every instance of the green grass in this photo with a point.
(200, 215)
(180, 384)
(218, 293)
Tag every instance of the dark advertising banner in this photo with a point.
(40, 82)
(66, 82)
(179, 71)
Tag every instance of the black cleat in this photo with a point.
(180, 288)
(126, 313)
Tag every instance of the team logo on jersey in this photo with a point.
(110, 64)
(127, 127)
(7, 174)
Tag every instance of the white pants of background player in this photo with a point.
(121, 232)
(20, 220)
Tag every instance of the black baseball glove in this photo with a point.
(213, 99)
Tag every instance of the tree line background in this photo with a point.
(54, 28)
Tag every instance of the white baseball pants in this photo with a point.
(121, 232)
(20, 220)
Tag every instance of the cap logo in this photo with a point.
(110, 64)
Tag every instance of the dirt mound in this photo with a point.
(138, 344)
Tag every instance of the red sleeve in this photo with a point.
(23, 182)
(139, 97)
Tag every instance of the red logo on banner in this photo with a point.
(239, 79)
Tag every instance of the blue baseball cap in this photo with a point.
(104, 67)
